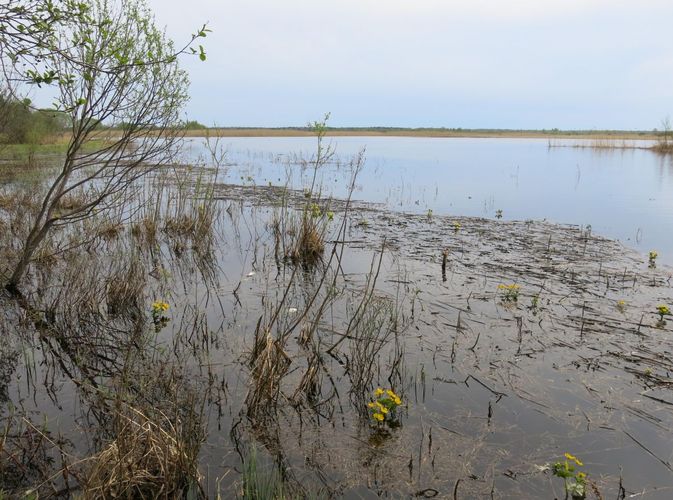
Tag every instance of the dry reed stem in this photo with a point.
(269, 364)
(147, 459)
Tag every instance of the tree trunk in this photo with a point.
(32, 243)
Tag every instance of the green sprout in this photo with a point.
(510, 292)
(315, 210)
(663, 310)
(653, 258)
(574, 481)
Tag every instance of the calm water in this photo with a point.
(565, 386)
(622, 194)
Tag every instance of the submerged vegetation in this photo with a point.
(215, 353)
(657, 141)
(168, 334)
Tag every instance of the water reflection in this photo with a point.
(260, 355)
(625, 194)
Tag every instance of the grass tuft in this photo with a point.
(148, 459)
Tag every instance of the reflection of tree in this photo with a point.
(9, 360)
(133, 392)
(666, 130)
(250, 436)
(29, 455)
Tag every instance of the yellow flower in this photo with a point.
(159, 306)
(513, 286)
(383, 409)
(371, 405)
(581, 475)
(574, 459)
(378, 392)
(379, 417)
(663, 309)
(394, 397)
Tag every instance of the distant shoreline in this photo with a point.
(424, 132)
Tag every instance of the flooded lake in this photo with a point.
(231, 327)
(626, 194)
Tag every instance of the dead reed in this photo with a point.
(149, 458)
(125, 287)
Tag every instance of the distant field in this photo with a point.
(58, 146)
(424, 132)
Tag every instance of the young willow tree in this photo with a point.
(110, 65)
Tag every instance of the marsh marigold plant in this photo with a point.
(158, 309)
(384, 405)
(510, 292)
(653, 258)
(663, 310)
(574, 480)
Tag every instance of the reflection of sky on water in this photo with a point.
(623, 194)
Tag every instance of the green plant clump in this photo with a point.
(574, 480)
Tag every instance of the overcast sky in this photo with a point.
(453, 63)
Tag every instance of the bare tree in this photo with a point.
(111, 65)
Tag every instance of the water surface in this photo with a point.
(626, 194)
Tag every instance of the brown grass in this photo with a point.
(71, 202)
(310, 245)
(269, 363)
(422, 132)
(110, 230)
(17, 200)
(663, 147)
(145, 230)
(125, 288)
(182, 225)
(148, 459)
